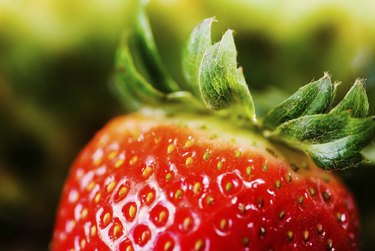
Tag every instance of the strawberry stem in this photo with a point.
(333, 138)
(312, 98)
(221, 83)
(355, 101)
(146, 47)
(133, 87)
(195, 47)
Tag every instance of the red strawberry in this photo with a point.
(182, 178)
(162, 183)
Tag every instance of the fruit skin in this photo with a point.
(157, 182)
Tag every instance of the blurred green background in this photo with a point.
(56, 60)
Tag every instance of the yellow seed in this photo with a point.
(197, 187)
(149, 197)
(209, 200)
(84, 213)
(90, 186)
(290, 235)
(265, 167)
(219, 165)
(245, 242)
(157, 140)
(189, 161)
(223, 224)
(281, 215)
(147, 171)
(112, 155)
(144, 236)
(312, 191)
(168, 245)
(178, 194)
(97, 197)
(97, 161)
(186, 223)
(111, 186)
(319, 228)
(198, 245)
(106, 218)
(329, 244)
(241, 208)
(83, 243)
(248, 170)
(117, 230)
(326, 196)
(300, 199)
(162, 216)
(277, 184)
(228, 187)
(168, 176)
(122, 192)
(118, 163)
(188, 144)
(133, 160)
(238, 154)
(170, 148)
(93, 231)
(129, 248)
(306, 235)
(132, 211)
(206, 155)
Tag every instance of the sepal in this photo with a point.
(333, 140)
(313, 98)
(144, 47)
(221, 83)
(195, 47)
(355, 101)
(133, 87)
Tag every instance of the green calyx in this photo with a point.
(332, 137)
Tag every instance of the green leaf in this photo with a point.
(355, 101)
(132, 85)
(144, 43)
(135, 91)
(312, 98)
(197, 44)
(333, 141)
(221, 83)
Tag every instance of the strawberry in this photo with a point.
(196, 170)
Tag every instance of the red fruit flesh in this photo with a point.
(158, 183)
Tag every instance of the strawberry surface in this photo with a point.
(159, 182)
